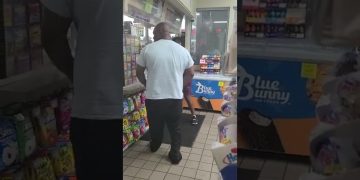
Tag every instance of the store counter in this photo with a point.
(207, 91)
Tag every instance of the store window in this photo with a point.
(209, 32)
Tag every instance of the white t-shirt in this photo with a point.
(98, 66)
(165, 62)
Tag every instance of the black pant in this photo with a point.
(161, 112)
(97, 148)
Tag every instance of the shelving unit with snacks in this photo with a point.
(210, 64)
(275, 18)
(135, 123)
(35, 141)
(132, 48)
(225, 148)
(21, 48)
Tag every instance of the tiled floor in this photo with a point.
(139, 163)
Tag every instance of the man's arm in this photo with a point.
(188, 75)
(140, 73)
(55, 42)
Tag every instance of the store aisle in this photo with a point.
(139, 163)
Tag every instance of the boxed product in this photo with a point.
(225, 157)
(62, 158)
(35, 36)
(19, 14)
(34, 12)
(25, 136)
(9, 151)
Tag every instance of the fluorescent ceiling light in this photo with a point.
(177, 19)
(220, 22)
(198, 14)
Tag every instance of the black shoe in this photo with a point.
(175, 158)
(194, 120)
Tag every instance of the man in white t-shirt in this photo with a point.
(169, 67)
(98, 79)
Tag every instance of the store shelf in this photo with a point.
(32, 86)
(290, 49)
(127, 146)
(133, 89)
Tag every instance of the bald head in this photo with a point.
(161, 31)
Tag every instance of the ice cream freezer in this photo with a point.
(279, 85)
(207, 91)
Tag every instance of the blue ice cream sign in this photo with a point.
(206, 88)
(274, 88)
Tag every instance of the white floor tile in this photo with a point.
(182, 163)
(172, 177)
(144, 174)
(127, 161)
(156, 157)
(128, 178)
(188, 172)
(194, 157)
(131, 171)
(176, 170)
(185, 149)
(138, 163)
(205, 167)
(150, 165)
(273, 169)
(157, 175)
(192, 164)
(162, 168)
(199, 145)
(196, 151)
(133, 154)
(215, 176)
(207, 159)
(186, 178)
(185, 155)
(203, 175)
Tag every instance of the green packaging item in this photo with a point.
(26, 136)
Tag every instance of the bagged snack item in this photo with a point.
(35, 36)
(62, 158)
(129, 135)
(137, 100)
(136, 131)
(63, 113)
(142, 126)
(136, 116)
(125, 141)
(143, 112)
(142, 96)
(125, 107)
(45, 125)
(9, 151)
(15, 173)
(228, 130)
(40, 169)
(25, 135)
(131, 104)
(227, 108)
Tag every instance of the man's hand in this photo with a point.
(188, 75)
(140, 73)
(55, 42)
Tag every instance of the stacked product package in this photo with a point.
(22, 49)
(210, 64)
(335, 141)
(132, 49)
(225, 150)
(34, 141)
(135, 123)
(275, 18)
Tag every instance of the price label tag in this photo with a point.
(221, 83)
(308, 70)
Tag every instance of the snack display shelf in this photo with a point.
(31, 86)
(303, 49)
(132, 89)
(128, 145)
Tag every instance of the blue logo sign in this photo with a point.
(206, 88)
(274, 88)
